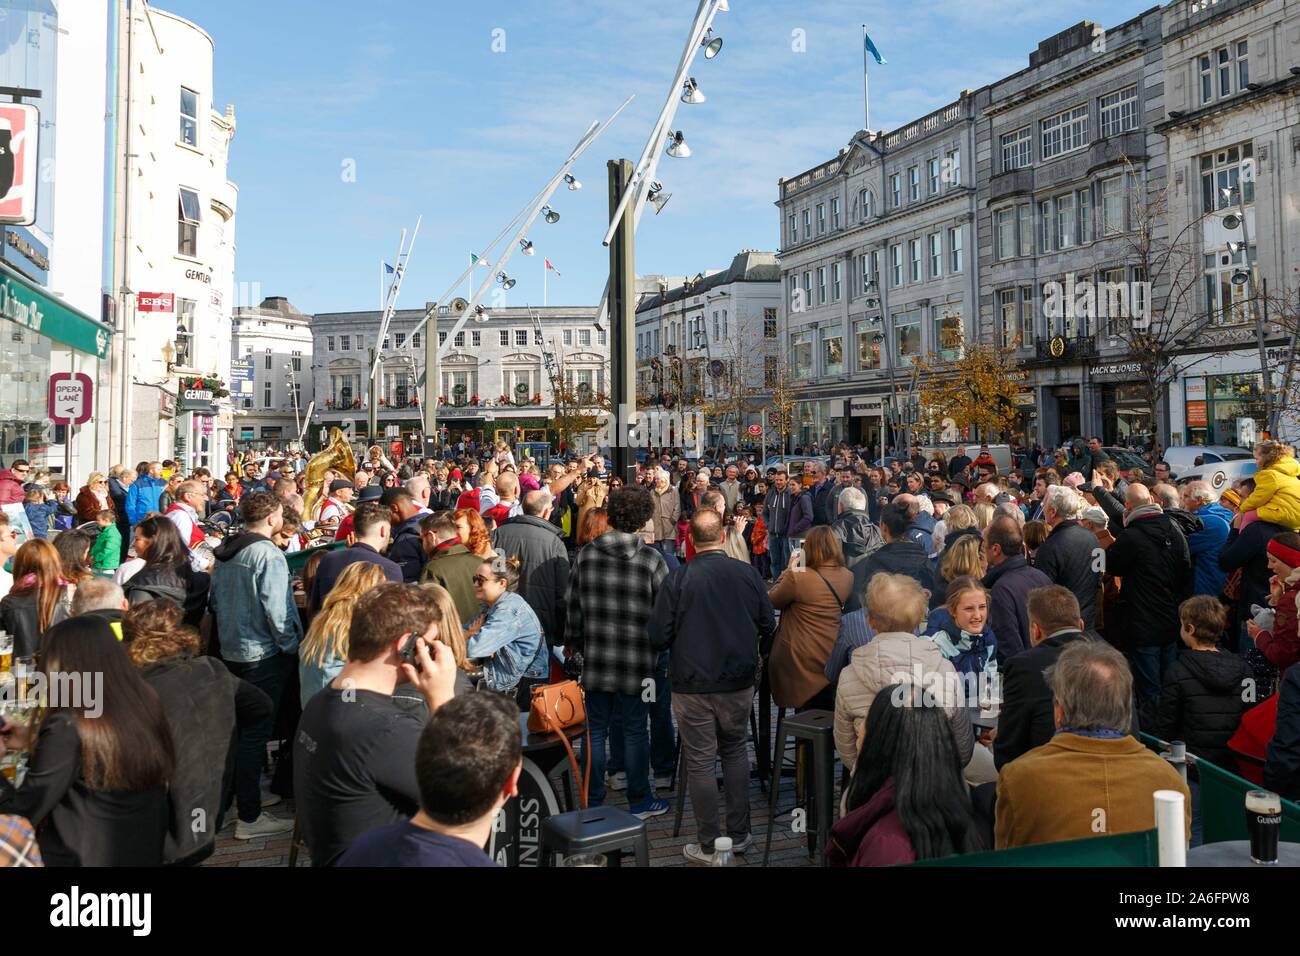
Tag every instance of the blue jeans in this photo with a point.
(778, 546)
(1149, 666)
(663, 744)
(270, 674)
(635, 714)
(669, 551)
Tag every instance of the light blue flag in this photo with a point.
(871, 48)
(388, 270)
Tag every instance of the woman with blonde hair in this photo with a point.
(473, 532)
(452, 634)
(965, 558)
(984, 512)
(324, 650)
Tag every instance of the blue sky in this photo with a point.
(436, 123)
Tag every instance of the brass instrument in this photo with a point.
(337, 455)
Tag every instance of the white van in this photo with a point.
(1001, 453)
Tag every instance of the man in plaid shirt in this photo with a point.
(611, 593)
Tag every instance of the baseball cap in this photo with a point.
(338, 484)
(1095, 515)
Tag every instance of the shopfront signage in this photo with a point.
(20, 131)
(1118, 368)
(26, 253)
(1198, 415)
(155, 301)
(198, 275)
(864, 407)
(197, 400)
(1194, 389)
(25, 304)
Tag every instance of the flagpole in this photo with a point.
(544, 271)
(866, 91)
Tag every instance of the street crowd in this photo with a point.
(989, 638)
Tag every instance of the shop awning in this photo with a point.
(32, 307)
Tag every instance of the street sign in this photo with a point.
(155, 301)
(756, 430)
(70, 398)
(19, 138)
(716, 368)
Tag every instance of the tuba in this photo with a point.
(337, 455)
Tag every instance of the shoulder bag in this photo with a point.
(552, 709)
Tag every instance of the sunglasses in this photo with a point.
(480, 580)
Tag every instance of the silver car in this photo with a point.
(1184, 458)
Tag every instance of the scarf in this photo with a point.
(969, 653)
(1101, 734)
(1143, 512)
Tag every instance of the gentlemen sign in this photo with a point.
(198, 400)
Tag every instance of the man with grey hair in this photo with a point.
(1216, 521)
(1150, 554)
(986, 492)
(421, 490)
(184, 514)
(543, 560)
(1092, 777)
(1012, 511)
(101, 597)
(1070, 556)
(852, 525)
(662, 529)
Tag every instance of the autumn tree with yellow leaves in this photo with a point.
(977, 390)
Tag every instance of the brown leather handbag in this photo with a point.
(552, 709)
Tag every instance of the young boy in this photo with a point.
(39, 511)
(106, 552)
(1204, 691)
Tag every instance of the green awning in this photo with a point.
(31, 307)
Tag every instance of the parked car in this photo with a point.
(1126, 460)
(1001, 453)
(1183, 458)
(1220, 475)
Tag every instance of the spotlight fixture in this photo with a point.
(551, 215)
(724, 6)
(1226, 192)
(657, 197)
(505, 280)
(480, 314)
(1240, 277)
(1233, 247)
(572, 182)
(1231, 221)
(677, 147)
(691, 92)
(526, 247)
(712, 45)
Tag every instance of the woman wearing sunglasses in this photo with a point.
(506, 636)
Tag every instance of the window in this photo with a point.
(794, 229)
(1005, 231)
(400, 339)
(345, 343)
(932, 173)
(770, 373)
(913, 184)
(832, 352)
(936, 255)
(1045, 230)
(907, 333)
(189, 117)
(949, 336)
(584, 338)
(187, 242)
(717, 326)
(867, 203)
(1226, 302)
(914, 260)
(807, 289)
(601, 335)
(724, 319)
(386, 343)
(266, 395)
(1008, 317)
(1112, 206)
(1065, 228)
(1065, 132)
(896, 188)
(460, 340)
(869, 341)
(568, 336)
(1207, 79)
(185, 333)
(1112, 305)
(864, 273)
(329, 343)
(521, 338)
(821, 285)
(1224, 72)
(807, 224)
(295, 359)
(1025, 222)
(821, 218)
(801, 354)
(1016, 149)
(1118, 111)
(503, 337)
(896, 262)
(537, 336)
(835, 212)
(769, 323)
(794, 287)
(476, 339)
(442, 338)
(954, 167)
(1083, 201)
(415, 339)
(954, 247)
(1222, 170)
(835, 282)
(1026, 316)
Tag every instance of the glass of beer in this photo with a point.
(585, 859)
(6, 652)
(1264, 823)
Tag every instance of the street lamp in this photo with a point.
(292, 381)
(1241, 277)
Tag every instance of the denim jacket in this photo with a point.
(252, 598)
(509, 643)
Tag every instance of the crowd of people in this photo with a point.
(988, 639)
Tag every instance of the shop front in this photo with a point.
(1126, 414)
(1218, 407)
(818, 422)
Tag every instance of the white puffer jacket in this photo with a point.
(897, 658)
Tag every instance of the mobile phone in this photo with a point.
(408, 651)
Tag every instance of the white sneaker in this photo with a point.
(264, 826)
(270, 799)
(616, 781)
(740, 846)
(697, 854)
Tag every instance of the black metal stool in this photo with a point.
(596, 830)
(815, 728)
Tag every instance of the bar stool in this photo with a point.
(815, 728)
(595, 830)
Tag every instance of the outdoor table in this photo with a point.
(517, 833)
(1237, 853)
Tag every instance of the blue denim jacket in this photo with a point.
(253, 600)
(509, 643)
(313, 677)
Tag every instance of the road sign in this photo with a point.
(716, 368)
(70, 398)
(756, 430)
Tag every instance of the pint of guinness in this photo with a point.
(1264, 823)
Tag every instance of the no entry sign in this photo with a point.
(70, 398)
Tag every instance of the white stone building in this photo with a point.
(271, 377)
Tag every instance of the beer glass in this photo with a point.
(6, 652)
(1264, 823)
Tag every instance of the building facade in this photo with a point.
(705, 346)
(498, 378)
(877, 270)
(272, 384)
(174, 245)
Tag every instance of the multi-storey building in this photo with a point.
(271, 374)
(876, 270)
(1070, 170)
(707, 344)
(1231, 80)
(494, 380)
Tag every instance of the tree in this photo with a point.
(781, 384)
(978, 390)
(578, 408)
(731, 397)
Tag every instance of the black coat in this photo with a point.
(1026, 720)
(1068, 558)
(186, 587)
(858, 536)
(898, 557)
(543, 568)
(1152, 557)
(204, 704)
(407, 550)
(1248, 549)
(1282, 768)
(821, 502)
(1009, 584)
(21, 616)
(334, 563)
(1201, 703)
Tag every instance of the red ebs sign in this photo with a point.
(155, 301)
(70, 398)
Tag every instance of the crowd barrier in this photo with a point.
(1121, 849)
(299, 558)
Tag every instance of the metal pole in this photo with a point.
(372, 419)
(432, 382)
(622, 301)
(1264, 373)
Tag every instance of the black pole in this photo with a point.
(622, 322)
